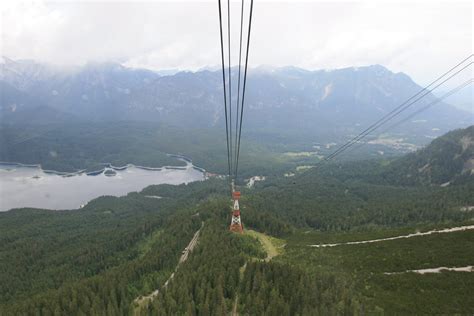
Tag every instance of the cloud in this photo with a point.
(421, 38)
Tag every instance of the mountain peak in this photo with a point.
(108, 66)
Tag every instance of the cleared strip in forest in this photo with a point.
(234, 307)
(271, 245)
(142, 300)
(436, 270)
(418, 234)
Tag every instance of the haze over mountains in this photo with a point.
(340, 102)
(464, 99)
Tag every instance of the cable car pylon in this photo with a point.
(236, 223)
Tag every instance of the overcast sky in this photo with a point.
(421, 38)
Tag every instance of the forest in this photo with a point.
(99, 259)
(80, 145)
(236, 278)
(397, 292)
(77, 146)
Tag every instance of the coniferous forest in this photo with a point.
(110, 256)
(226, 158)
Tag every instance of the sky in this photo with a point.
(420, 38)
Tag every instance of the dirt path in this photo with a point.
(441, 231)
(143, 300)
(436, 270)
(190, 246)
(234, 308)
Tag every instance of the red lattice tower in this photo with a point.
(236, 224)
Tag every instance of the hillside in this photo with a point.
(447, 159)
(376, 192)
(103, 257)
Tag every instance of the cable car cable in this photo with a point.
(244, 86)
(449, 93)
(386, 118)
(444, 96)
(456, 89)
(426, 107)
(229, 73)
(401, 105)
(224, 85)
(238, 80)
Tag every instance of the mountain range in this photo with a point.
(288, 99)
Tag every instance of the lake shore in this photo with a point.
(28, 185)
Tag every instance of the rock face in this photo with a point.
(339, 101)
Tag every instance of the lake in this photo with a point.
(25, 186)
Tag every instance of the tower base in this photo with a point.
(236, 224)
(236, 228)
